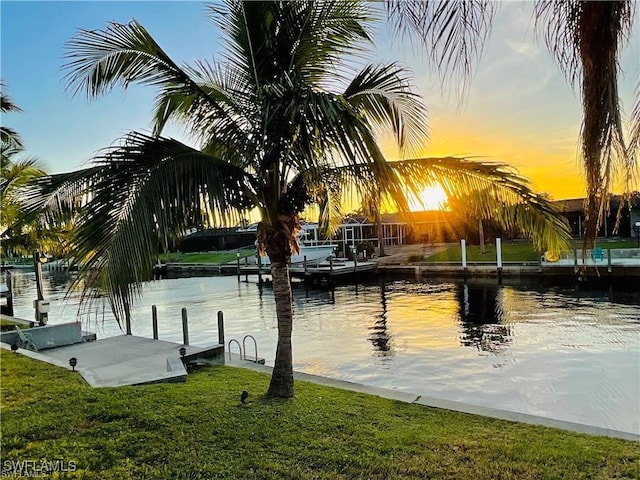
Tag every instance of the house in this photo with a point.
(396, 229)
(573, 210)
(212, 239)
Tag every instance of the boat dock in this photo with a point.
(313, 272)
(114, 361)
(9, 322)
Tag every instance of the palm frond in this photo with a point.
(8, 136)
(142, 196)
(496, 192)
(453, 32)
(17, 174)
(384, 96)
(6, 103)
(98, 60)
(634, 139)
(585, 38)
(308, 38)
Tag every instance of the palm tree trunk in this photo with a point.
(281, 385)
(481, 235)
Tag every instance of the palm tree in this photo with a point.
(9, 137)
(279, 125)
(16, 172)
(18, 235)
(585, 38)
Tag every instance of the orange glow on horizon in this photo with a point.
(551, 164)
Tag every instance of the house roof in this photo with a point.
(577, 204)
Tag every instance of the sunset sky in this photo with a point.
(520, 110)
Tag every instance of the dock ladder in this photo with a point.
(242, 349)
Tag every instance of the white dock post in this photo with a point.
(463, 246)
(185, 327)
(238, 264)
(355, 258)
(499, 258)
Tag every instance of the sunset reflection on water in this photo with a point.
(557, 351)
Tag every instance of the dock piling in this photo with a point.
(8, 309)
(154, 320)
(41, 306)
(355, 259)
(185, 327)
(127, 317)
(238, 264)
(220, 327)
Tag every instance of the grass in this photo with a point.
(199, 430)
(17, 260)
(511, 252)
(207, 257)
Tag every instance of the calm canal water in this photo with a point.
(559, 352)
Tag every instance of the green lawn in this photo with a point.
(199, 430)
(207, 257)
(511, 252)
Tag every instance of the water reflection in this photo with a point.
(565, 352)
(481, 316)
(379, 332)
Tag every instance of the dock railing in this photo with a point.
(597, 257)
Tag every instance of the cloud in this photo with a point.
(526, 49)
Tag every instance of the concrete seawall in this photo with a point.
(508, 270)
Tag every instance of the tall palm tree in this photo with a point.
(585, 38)
(280, 125)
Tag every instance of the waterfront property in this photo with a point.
(563, 352)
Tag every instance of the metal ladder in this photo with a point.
(242, 349)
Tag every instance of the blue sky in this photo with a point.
(520, 109)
